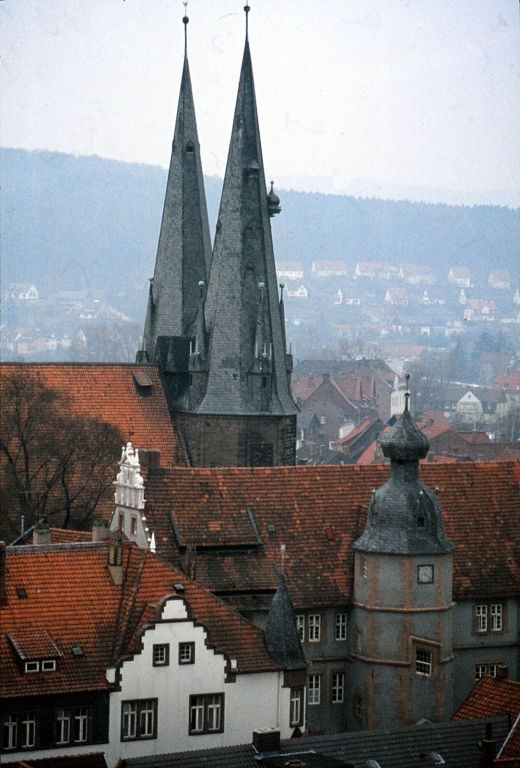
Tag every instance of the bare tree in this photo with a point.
(54, 462)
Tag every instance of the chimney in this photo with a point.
(312, 448)
(322, 449)
(488, 748)
(115, 558)
(266, 740)
(502, 672)
(3, 596)
(42, 532)
(190, 561)
(100, 529)
(326, 377)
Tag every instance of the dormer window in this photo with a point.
(32, 666)
(49, 665)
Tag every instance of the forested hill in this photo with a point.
(87, 223)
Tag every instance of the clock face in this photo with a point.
(425, 574)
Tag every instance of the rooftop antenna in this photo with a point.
(247, 9)
(185, 21)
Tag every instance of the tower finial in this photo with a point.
(185, 21)
(247, 9)
(407, 393)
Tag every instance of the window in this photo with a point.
(81, 718)
(485, 669)
(481, 618)
(49, 665)
(364, 567)
(28, 729)
(358, 640)
(207, 713)
(358, 707)
(62, 726)
(495, 612)
(133, 526)
(186, 653)
(338, 687)
(300, 627)
(489, 617)
(9, 731)
(32, 666)
(340, 632)
(161, 655)
(296, 711)
(314, 624)
(423, 662)
(139, 719)
(314, 687)
(121, 522)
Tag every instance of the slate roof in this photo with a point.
(491, 696)
(392, 748)
(108, 392)
(317, 512)
(70, 597)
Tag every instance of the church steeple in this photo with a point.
(242, 309)
(184, 251)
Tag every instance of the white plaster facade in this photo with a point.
(172, 685)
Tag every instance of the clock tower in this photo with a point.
(402, 628)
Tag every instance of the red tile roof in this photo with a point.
(297, 506)
(509, 755)
(491, 696)
(89, 760)
(107, 391)
(71, 596)
(508, 382)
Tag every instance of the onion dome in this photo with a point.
(405, 441)
(273, 202)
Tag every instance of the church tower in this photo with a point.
(184, 251)
(239, 410)
(402, 627)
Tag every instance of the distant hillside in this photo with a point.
(87, 223)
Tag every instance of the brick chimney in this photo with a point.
(502, 672)
(488, 748)
(42, 532)
(115, 558)
(3, 596)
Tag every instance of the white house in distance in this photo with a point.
(460, 277)
(499, 278)
(396, 297)
(21, 291)
(331, 268)
(290, 270)
(417, 274)
(372, 270)
(298, 293)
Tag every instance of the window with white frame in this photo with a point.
(187, 653)
(338, 687)
(296, 711)
(485, 669)
(161, 655)
(314, 627)
(49, 665)
(32, 666)
(28, 729)
(9, 731)
(314, 689)
(423, 661)
(495, 617)
(63, 726)
(207, 713)
(300, 626)
(81, 720)
(489, 617)
(139, 719)
(340, 631)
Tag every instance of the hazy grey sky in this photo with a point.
(401, 98)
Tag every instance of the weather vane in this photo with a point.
(185, 21)
(247, 9)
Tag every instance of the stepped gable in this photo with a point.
(242, 308)
(65, 592)
(318, 512)
(184, 250)
(405, 516)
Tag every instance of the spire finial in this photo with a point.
(407, 393)
(185, 21)
(247, 9)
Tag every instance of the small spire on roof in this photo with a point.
(185, 21)
(247, 9)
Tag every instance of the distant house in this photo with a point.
(292, 270)
(372, 270)
(352, 302)
(499, 278)
(417, 274)
(480, 309)
(22, 291)
(299, 293)
(332, 268)
(338, 298)
(460, 277)
(397, 297)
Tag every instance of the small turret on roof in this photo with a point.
(281, 635)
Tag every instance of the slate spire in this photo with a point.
(242, 309)
(281, 636)
(184, 250)
(404, 516)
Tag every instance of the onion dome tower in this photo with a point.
(184, 250)
(239, 410)
(402, 634)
